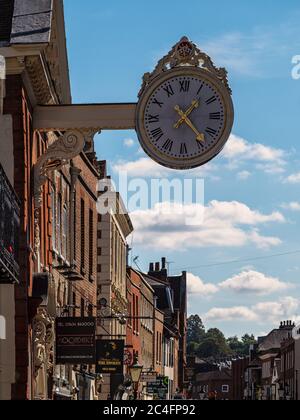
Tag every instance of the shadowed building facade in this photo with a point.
(32, 40)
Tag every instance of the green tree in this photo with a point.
(235, 345)
(195, 329)
(241, 347)
(208, 348)
(213, 345)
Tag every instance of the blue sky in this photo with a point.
(255, 181)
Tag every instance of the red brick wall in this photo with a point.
(133, 339)
(27, 148)
(158, 341)
(86, 190)
(238, 378)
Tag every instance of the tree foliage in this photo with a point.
(212, 343)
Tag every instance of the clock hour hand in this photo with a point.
(194, 105)
(200, 136)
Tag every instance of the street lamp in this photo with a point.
(135, 372)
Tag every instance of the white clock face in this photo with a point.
(186, 120)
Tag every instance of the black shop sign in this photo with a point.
(75, 341)
(110, 356)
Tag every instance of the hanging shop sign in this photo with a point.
(159, 386)
(149, 377)
(110, 356)
(75, 341)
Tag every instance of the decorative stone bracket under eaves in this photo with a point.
(78, 125)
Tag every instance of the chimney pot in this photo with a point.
(151, 267)
(157, 266)
(164, 263)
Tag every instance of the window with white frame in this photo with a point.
(225, 389)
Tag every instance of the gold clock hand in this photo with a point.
(200, 136)
(194, 105)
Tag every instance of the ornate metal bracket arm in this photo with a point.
(58, 154)
(185, 53)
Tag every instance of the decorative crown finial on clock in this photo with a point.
(185, 53)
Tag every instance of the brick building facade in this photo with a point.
(56, 277)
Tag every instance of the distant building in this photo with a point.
(297, 370)
(114, 226)
(215, 385)
(133, 340)
(177, 295)
(239, 367)
(269, 352)
(288, 375)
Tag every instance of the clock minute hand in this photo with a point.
(194, 105)
(200, 137)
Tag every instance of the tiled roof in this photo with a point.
(216, 375)
(273, 340)
(25, 21)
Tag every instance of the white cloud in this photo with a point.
(147, 168)
(228, 50)
(293, 206)
(263, 242)
(225, 224)
(244, 175)
(196, 286)
(268, 159)
(129, 143)
(254, 282)
(237, 152)
(252, 53)
(273, 312)
(293, 179)
(236, 313)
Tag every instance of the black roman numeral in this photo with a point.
(215, 116)
(200, 145)
(156, 102)
(185, 85)
(210, 131)
(157, 134)
(183, 149)
(211, 100)
(153, 119)
(200, 88)
(168, 146)
(169, 90)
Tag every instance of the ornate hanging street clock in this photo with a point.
(185, 112)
